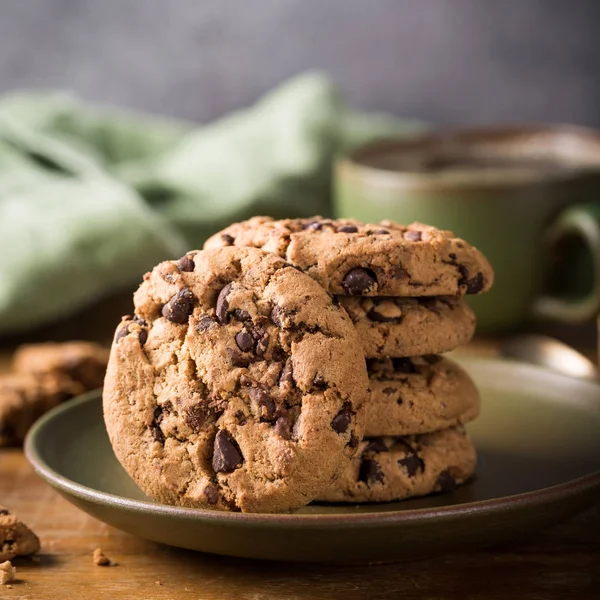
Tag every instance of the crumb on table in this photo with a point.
(7, 572)
(100, 559)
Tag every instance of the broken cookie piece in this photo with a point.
(16, 539)
(7, 572)
(100, 559)
(24, 398)
(82, 362)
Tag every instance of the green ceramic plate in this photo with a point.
(539, 442)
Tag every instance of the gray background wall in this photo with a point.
(440, 60)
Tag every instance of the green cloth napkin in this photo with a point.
(91, 198)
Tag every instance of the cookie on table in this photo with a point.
(16, 539)
(83, 362)
(389, 326)
(237, 385)
(26, 397)
(418, 395)
(357, 259)
(387, 469)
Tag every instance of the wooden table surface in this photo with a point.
(561, 563)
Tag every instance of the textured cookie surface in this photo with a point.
(16, 539)
(24, 398)
(83, 362)
(386, 469)
(237, 384)
(399, 327)
(357, 259)
(418, 395)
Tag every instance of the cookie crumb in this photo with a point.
(8, 573)
(101, 560)
(158, 582)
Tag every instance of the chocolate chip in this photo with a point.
(179, 307)
(375, 446)
(354, 441)
(359, 281)
(211, 493)
(380, 232)
(237, 359)
(287, 375)
(369, 472)
(240, 417)
(226, 454)
(452, 256)
(262, 344)
(445, 482)
(139, 320)
(265, 403)
(262, 340)
(314, 226)
(347, 229)
(3, 512)
(121, 333)
(319, 382)
(142, 336)
(195, 417)
(205, 323)
(412, 463)
(277, 314)
(404, 365)
(223, 304)
(157, 433)
(341, 421)
(412, 236)
(228, 239)
(245, 380)
(388, 391)
(186, 263)
(244, 341)
(475, 284)
(282, 428)
(241, 315)
(377, 317)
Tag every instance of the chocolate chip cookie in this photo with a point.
(357, 259)
(418, 395)
(387, 469)
(16, 539)
(236, 385)
(25, 397)
(389, 326)
(83, 362)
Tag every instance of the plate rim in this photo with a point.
(562, 491)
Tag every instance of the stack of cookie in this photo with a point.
(240, 381)
(403, 288)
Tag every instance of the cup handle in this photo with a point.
(582, 223)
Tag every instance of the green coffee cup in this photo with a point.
(528, 197)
